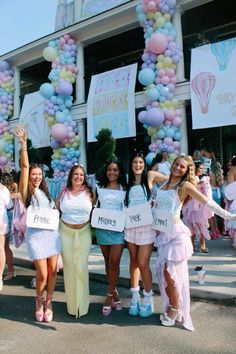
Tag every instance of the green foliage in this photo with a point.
(106, 146)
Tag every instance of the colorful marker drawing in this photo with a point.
(222, 51)
(203, 84)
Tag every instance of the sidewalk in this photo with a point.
(220, 265)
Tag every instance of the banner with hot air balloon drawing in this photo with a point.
(213, 88)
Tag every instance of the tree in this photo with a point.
(106, 146)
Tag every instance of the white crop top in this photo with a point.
(75, 210)
(40, 200)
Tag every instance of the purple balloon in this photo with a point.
(64, 88)
(4, 65)
(142, 116)
(154, 117)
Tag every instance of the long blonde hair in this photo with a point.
(190, 173)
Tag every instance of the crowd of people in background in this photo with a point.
(195, 193)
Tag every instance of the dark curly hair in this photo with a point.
(103, 182)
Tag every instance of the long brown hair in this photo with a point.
(85, 182)
(31, 188)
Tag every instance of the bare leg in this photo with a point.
(9, 256)
(2, 255)
(144, 254)
(134, 269)
(172, 294)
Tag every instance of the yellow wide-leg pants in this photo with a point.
(76, 246)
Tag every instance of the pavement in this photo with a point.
(219, 263)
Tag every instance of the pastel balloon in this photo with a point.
(3, 160)
(154, 117)
(150, 156)
(157, 43)
(64, 88)
(146, 76)
(142, 116)
(59, 131)
(50, 53)
(4, 65)
(46, 90)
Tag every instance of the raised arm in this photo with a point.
(156, 177)
(24, 163)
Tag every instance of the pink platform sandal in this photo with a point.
(48, 314)
(106, 309)
(39, 314)
(117, 304)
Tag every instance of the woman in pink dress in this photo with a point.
(195, 215)
(175, 247)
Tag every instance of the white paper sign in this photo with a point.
(163, 220)
(105, 219)
(138, 215)
(42, 218)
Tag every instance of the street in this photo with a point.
(119, 333)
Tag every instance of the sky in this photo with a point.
(23, 21)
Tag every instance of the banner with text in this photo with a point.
(213, 89)
(111, 103)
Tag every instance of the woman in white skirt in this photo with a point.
(175, 248)
(43, 245)
(140, 239)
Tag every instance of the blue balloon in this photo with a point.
(146, 76)
(47, 90)
(150, 156)
(153, 94)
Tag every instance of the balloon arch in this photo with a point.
(162, 117)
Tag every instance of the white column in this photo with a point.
(82, 147)
(178, 26)
(17, 92)
(80, 82)
(77, 10)
(183, 131)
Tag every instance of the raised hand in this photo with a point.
(21, 134)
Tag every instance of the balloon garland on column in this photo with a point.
(6, 112)
(58, 100)
(162, 117)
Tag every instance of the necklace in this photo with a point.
(174, 184)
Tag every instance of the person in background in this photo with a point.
(111, 195)
(75, 203)
(175, 247)
(195, 216)
(216, 182)
(8, 182)
(5, 204)
(43, 245)
(197, 156)
(161, 163)
(230, 197)
(140, 239)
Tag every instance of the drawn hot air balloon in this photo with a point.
(222, 51)
(203, 84)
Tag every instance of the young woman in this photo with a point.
(140, 239)
(5, 204)
(7, 181)
(43, 245)
(111, 195)
(175, 248)
(195, 216)
(75, 204)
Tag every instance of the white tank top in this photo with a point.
(40, 200)
(75, 210)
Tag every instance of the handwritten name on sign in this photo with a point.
(138, 215)
(106, 221)
(42, 218)
(163, 220)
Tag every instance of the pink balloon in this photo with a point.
(177, 121)
(157, 43)
(59, 132)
